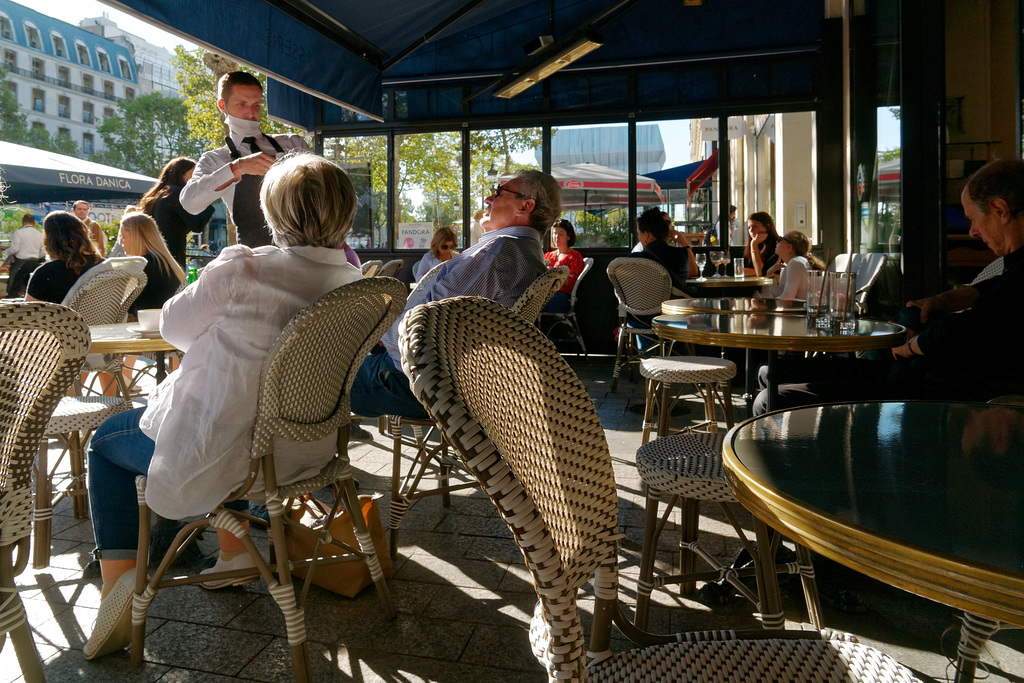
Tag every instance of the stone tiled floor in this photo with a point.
(463, 597)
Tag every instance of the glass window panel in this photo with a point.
(598, 210)
(429, 186)
(364, 158)
(494, 153)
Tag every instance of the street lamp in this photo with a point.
(492, 175)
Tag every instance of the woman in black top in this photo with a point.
(652, 231)
(71, 252)
(762, 238)
(163, 204)
(140, 237)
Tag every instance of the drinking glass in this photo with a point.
(842, 306)
(738, 266)
(702, 261)
(815, 288)
(718, 258)
(726, 258)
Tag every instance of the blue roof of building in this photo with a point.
(72, 35)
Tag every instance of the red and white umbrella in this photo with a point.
(592, 186)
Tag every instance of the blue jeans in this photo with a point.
(118, 453)
(559, 303)
(382, 389)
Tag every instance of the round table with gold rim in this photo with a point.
(126, 338)
(733, 305)
(923, 495)
(720, 284)
(774, 333)
(737, 305)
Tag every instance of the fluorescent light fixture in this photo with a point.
(559, 60)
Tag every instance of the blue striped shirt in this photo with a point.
(499, 267)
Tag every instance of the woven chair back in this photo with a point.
(640, 285)
(371, 268)
(304, 390)
(539, 293)
(42, 347)
(106, 298)
(588, 263)
(524, 426)
(391, 268)
(429, 276)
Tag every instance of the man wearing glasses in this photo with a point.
(506, 260)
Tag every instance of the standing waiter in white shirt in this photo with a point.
(28, 252)
(235, 171)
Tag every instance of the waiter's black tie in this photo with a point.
(251, 141)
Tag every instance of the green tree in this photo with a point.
(145, 133)
(62, 143)
(494, 149)
(13, 126)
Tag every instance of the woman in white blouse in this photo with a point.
(790, 271)
(193, 438)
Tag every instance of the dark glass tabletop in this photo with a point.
(775, 332)
(945, 477)
(732, 305)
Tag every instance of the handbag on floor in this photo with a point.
(344, 578)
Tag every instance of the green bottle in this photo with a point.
(193, 272)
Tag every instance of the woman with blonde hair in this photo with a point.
(442, 248)
(140, 236)
(192, 437)
(790, 271)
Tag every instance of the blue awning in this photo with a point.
(675, 178)
(259, 35)
(334, 58)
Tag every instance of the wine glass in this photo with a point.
(718, 258)
(702, 261)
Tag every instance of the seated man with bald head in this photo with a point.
(506, 260)
(973, 354)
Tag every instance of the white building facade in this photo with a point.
(65, 79)
(153, 64)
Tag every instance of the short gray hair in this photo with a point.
(308, 201)
(999, 179)
(544, 190)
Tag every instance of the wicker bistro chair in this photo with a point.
(554, 486)
(42, 347)
(866, 269)
(391, 268)
(432, 460)
(667, 379)
(302, 401)
(686, 469)
(640, 286)
(105, 300)
(371, 268)
(428, 276)
(531, 302)
(102, 300)
(569, 319)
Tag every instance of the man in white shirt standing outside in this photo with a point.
(235, 171)
(27, 250)
(81, 209)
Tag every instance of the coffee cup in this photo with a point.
(149, 319)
